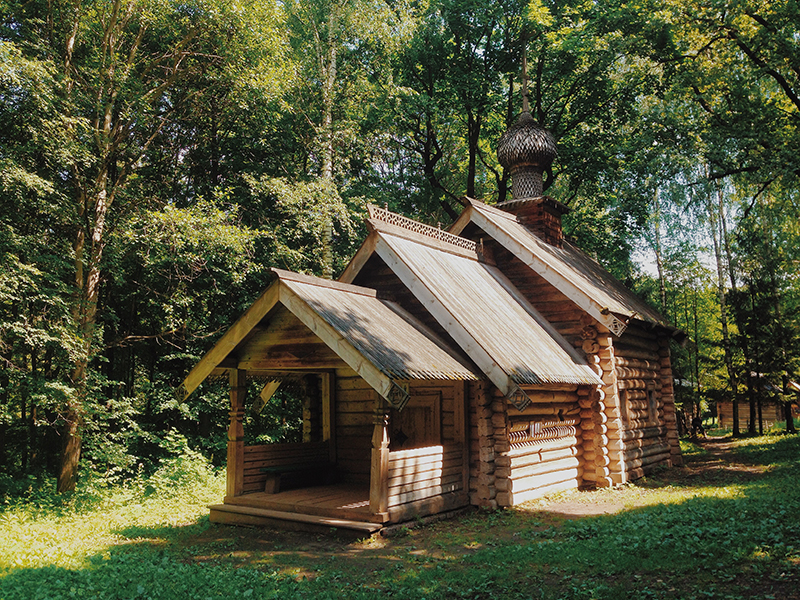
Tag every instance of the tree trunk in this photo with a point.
(473, 138)
(85, 316)
(725, 241)
(787, 413)
(723, 306)
(662, 289)
(329, 69)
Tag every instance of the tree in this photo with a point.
(116, 63)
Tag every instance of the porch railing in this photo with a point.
(424, 472)
(260, 457)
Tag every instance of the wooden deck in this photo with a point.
(340, 506)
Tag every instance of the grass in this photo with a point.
(724, 527)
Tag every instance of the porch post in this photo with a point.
(328, 425)
(235, 466)
(379, 471)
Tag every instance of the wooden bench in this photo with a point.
(272, 485)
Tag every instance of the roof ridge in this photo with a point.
(349, 288)
(391, 218)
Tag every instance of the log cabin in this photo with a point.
(769, 409)
(483, 365)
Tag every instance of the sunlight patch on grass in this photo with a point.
(33, 537)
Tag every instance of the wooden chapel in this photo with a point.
(485, 365)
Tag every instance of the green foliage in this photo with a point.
(726, 534)
(156, 163)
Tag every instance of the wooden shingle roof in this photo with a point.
(371, 334)
(478, 307)
(568, 269)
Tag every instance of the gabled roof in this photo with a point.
(569, 269)
(376, 337)
(476, 304)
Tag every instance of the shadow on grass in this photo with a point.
(740, 542)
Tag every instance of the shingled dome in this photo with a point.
(527, 149)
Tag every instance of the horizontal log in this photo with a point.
(637, 414)
(425, 484)
(548, 483)
(647, 460)
(355, 419)
(634, 453)
(520, 452)
(522, 474)
(633, 373)
(359, 431)
(535, 410)
(634, 331)
(638, 343)
(428, 506)
(402, 476)
(395, 500)
(420, 454)
(636, 434)
(638, 363)
(345, 372)
(530, 460)
(354, 400)
(631, 384)
(351, 383)
(638, 424)
(638, 353)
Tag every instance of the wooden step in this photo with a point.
(232, 514)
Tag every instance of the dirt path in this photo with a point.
(716, 465)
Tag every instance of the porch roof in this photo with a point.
(373, 335)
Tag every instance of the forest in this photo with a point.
(158, 157)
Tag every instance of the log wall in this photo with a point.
(771, 413)
(354, 416)
(614, 442)
(273, 455)
(354, 409)
(571, 322)
(520, 455)
(649, 437)
(546, 446)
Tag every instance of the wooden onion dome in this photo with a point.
(527, 150)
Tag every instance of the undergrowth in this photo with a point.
(729, 533)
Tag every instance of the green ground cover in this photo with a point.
(725, 526)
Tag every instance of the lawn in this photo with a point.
(725, 526)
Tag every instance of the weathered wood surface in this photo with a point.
(256, 458)
(424, 472)
(343, 500)
(353, 424)
(245, 515)
(567, 269)
(427, 506)
(235, 465)
(460, 292)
